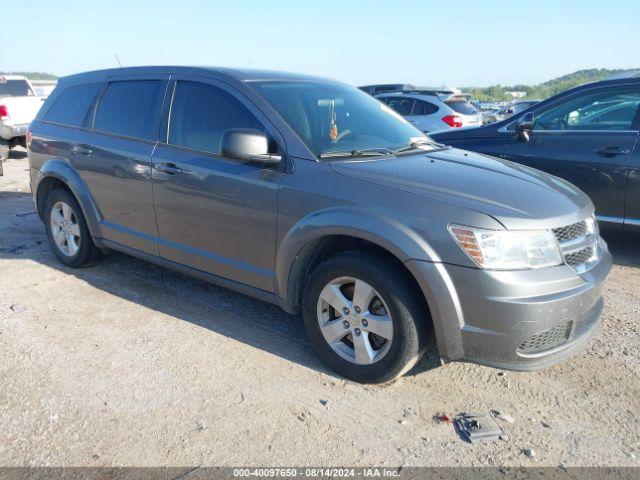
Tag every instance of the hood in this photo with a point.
(517, 196)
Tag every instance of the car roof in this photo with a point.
(239, 74)
(420, 96)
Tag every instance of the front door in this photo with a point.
(588, 140)
(214, 214)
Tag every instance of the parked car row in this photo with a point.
(499, 114)
(313, 195)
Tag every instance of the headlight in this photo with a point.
(508, 250)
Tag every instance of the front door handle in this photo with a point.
(612, 151)
(169, 168)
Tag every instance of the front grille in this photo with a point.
(578, 244)
(546, 340)
(580, 257)
(571, 232)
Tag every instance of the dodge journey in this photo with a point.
(310, 194)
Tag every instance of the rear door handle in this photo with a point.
(81, 150)
(612, 151)
(169, 168)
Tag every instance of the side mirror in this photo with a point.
(249, 145)
(524, 127)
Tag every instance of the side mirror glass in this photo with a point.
(248, 145)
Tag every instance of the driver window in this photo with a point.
(613, 109)
(201, 113)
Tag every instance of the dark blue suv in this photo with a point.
(586, 135)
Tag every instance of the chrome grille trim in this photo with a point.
(578, 244)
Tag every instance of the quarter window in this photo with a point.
(401, 105)
(201, 113)
(131, 108)
(72, 105)
(422, 107)
(603, 110)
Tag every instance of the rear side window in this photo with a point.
(201, 113)
(71, 107)
(401, 105)
(422, 107)
(15, 88)
(131, 108)
(463, 107)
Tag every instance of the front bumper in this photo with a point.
(516, 320)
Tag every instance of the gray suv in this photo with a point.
(312, 195)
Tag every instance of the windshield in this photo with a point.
(331, 118)
(15, 88)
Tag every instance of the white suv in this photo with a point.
(431, 110)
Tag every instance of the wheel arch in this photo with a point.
(326, 233)
(59, 174)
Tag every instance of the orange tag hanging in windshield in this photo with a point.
(333, 132)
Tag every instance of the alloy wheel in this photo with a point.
(65, 229)
(355, 321)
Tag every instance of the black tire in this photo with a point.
(409, 313)
(87, 251)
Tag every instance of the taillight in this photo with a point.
(28, 136)
(4, 111)
(454, 121)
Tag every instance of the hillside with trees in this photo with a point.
(33, 75)
(545, 89)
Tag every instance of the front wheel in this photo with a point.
(365, 318)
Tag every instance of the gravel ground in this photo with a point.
(125, 363)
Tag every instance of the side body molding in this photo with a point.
(366, 224)
(61, 170)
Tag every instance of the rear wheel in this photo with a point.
(365, 318)
(67, 230)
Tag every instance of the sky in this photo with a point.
(456, 43)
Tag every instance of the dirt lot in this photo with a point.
(125, 363)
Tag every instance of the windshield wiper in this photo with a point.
(416, 146)
(365, 152)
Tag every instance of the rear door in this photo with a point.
(115, 159)
(215, 214)
(588, 140)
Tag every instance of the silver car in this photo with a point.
(430, 110)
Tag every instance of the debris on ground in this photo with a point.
(15, 249)
(324, 402)
(545, 424)
(502, 416)
(442, 418)
(529, 452)
(24, 214)
(478, 428)
(15, 308)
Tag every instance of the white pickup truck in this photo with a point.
(19, 105)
